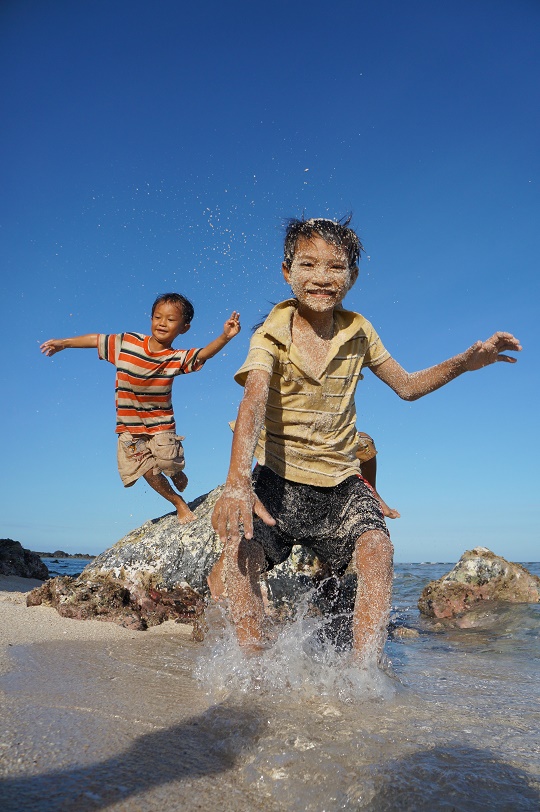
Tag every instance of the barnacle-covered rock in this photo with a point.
(158, 572)
(164, 553)
(479, 576)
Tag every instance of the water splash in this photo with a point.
(301, 660)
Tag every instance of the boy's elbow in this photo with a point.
(409, 389)
(404, 392)
(409, 396)
(403, 383)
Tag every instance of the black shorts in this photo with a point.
(327, 520)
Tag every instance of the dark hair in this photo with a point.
(334, 231)
(177, 299)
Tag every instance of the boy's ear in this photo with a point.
(185, 328)
(286, 272)
(354, 276)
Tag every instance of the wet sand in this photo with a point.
(95, 716)
(99, 717)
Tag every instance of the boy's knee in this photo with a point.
(374, 543)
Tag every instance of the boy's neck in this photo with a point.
(322, 324)
(157, 346)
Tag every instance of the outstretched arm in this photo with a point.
(231, 328)
(414, 385)
(234, 508)
(54, 345)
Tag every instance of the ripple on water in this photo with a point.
(451, 725)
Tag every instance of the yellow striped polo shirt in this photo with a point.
(311, 422)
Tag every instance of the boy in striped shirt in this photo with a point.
(299, 380)
(145, 369)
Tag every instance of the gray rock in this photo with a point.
(172, 554)
(158, 572)
(15, 560)
(164, 551)
(479, 576)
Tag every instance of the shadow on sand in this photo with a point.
(447, 779)
(203, 745)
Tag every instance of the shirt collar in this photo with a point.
(279, 321)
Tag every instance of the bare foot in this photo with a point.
(185, 515)
(388, 512)
(186, 518)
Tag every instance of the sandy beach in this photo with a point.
(95, 716)
(22, 625)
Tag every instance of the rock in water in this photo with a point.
(158, 572)
(15, 560)
(164, 552)
(155, 573)
(479, 575)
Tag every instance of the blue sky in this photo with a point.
(155, 147)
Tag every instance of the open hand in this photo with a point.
(231, 328)
(233, 513)
(52, 346)
(488, 352)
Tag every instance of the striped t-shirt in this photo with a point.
(144, 381)
(311, 422)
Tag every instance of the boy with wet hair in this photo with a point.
(335, 232)
(299, 381)
(146, 366)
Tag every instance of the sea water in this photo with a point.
(65, 566)
(159, 722)
(451, 722)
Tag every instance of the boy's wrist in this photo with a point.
(464, 358)
(239, 481)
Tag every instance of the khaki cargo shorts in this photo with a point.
(140, 453)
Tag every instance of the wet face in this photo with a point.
(319, 274)
(168, 323)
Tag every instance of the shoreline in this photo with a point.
(98, 716)
(20, 624)
(26, 625)
(60, 554)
